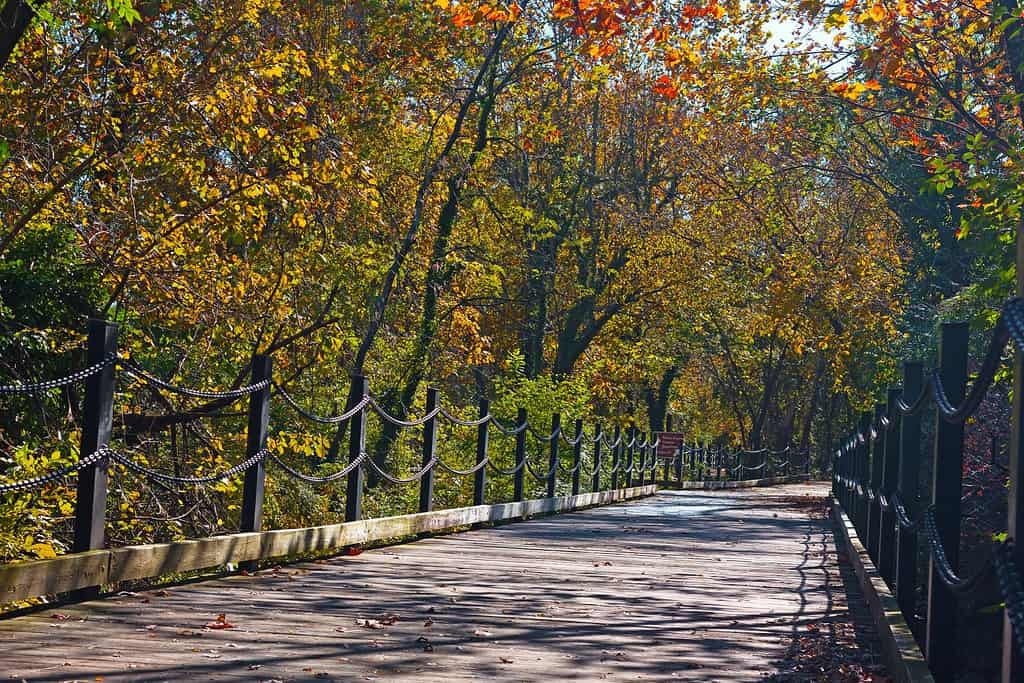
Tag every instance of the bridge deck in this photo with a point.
(685, 585)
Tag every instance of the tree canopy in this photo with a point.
(606, 207)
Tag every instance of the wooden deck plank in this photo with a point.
(685, 586)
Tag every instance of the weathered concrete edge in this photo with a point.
(903, 657)
(25, 580)
(745, 484)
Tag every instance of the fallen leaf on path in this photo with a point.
(481, 633)
(221, 622)
(369, 623)
(353, 550)
(506, 660)
(60, 617)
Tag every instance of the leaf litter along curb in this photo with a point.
(841, 647)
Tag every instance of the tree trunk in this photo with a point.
(657, 400)
(812, 403)
(439, 274)
(15, 18)
(537, 291)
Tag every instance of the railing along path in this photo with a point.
(633, 460)
(875, 480)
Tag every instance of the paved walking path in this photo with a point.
(709, 586)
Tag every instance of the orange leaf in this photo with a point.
(664, 87)
(221, 622)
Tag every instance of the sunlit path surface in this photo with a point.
(684, 585)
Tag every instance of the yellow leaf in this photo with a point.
(43, 551)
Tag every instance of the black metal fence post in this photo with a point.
(890, 467)
(647, 474)
(860, 490)
(577, 456)
(836, 460)
(356, 448)
(519, 479)
(97, 421)
(480, 476)
(839, 472)
(595, 483)
(940, 639)
(679, 463)
(429, 452)
(641, 454)
(616, 456)
(1013, 661)
(556, 428)
(631, 458)
(852, 454)
(875, 483)
(256, 441)
(627, 459)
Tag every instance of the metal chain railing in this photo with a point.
(74, 378)
(165, 478)
(313, 417)
(1012, 590)
(135, 370)
(857, 476)
(56, 475)
(958, 585)
(334, 476)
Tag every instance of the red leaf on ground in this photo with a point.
(221, 622)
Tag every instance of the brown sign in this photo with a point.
(669, 444)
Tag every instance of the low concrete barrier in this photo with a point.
(25, 580)
(903, 657)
